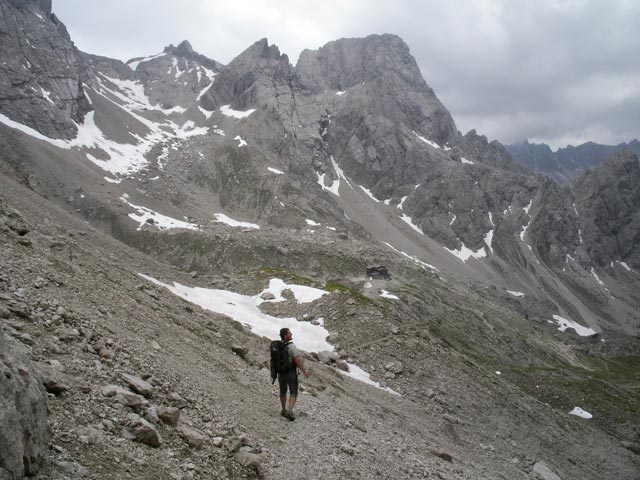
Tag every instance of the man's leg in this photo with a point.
(282, 382)
(293, 393)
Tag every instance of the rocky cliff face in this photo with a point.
(594, 219)
(41, 71)
(608, 206)
(253, 78)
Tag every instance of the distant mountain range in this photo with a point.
(566, 163)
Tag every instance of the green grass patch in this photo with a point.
(334, 285)
(609, 389)
(288, 276)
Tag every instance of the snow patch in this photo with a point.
(428, 142)
(407, 219)
(275, 170)
(229, 112)
(411, 257)
(385, 294)
(515, 294)
(359, 374)
(211, 76)
(626, 267)
(468, 162)
(580, 330)
(241, 142)
(333, 188)
(578, 412)
(368, 192)
(464, 253)
(339, 171)
(245, 309)
(206, 113)
(47, 96)
(222, 218)
(133, 65)
(301, 293)
(160, 221)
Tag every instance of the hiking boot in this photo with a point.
(289, 414)
(283, 412)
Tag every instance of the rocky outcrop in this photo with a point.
(24, 431)
(490, 153)
(252, 79)
(608, 205)
(379, 106)
(185, 50)
(41, 71)
(554, 227)
(176, 78)
(596, 219)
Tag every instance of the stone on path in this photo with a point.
(192, 437)
(143, 432)
(129, 398)
(138, 385)
(169, 415)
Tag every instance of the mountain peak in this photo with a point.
(184, 49)
(347, 62)
(262, 49)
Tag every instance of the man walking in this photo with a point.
(288, 379)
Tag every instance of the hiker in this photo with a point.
(287, 372)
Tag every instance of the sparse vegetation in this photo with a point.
(334, 285)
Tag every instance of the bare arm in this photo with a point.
(298, 361)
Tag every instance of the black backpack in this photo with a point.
(279, 358)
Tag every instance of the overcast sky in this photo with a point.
(555, 71)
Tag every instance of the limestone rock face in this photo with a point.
(175, 78)
(554, 230)
(378, 104)
(41, 71)
(597, 219)
(251, 79)
(490, 153)
(24, 431)
(608, 205)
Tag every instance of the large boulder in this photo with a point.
(24, 431)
